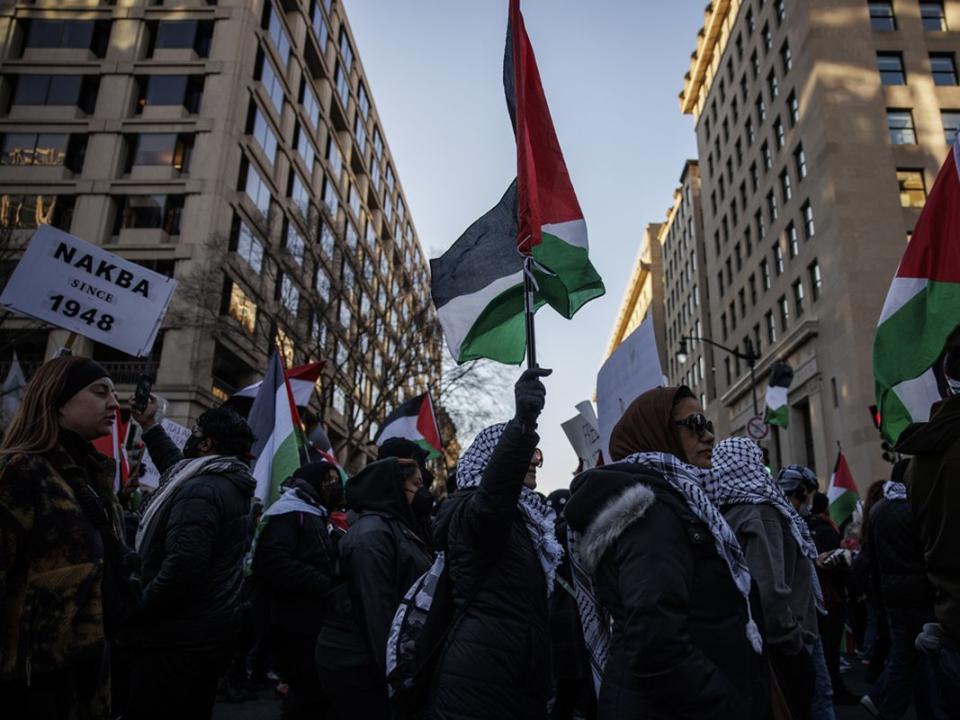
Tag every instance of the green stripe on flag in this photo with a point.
(842, 508)
(575, 281)
(777, 416)
(499, 333)
(285, 461)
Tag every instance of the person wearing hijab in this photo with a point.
(294, 568)
(381, 556)
(780, 554)
(662, 584)
(498, 536)
(59, 523)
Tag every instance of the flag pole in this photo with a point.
(528, 306)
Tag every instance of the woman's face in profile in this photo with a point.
(695, 434)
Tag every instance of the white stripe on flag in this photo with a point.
(902, 290)
(573, 232)
(918, 394)
(458, 316)
(403, 427)
(282, 429)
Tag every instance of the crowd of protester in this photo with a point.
(682, 579)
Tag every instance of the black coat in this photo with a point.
(678, 647)
(380, 558)
(496, 662)
(192, 561)
(897, 554)
(294, 569)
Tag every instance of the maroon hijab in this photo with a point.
(648, 426)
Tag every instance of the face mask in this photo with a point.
(191, 449)
(332, 496)
(422, 503)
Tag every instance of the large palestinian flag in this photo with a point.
(477, 285)
(414, 420)
(922, 308)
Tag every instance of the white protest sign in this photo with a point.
(633, 369)
(80, 287)
(581, 431)
(179, 434)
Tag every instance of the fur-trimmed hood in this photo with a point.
(605, 502)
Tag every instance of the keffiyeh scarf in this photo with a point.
(538, 516)
(739, 477)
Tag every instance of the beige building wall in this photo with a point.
(643, 295)
(351, 291)
(829, 179)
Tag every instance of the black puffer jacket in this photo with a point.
(294, 569)
(679, 647)
(897, 555)
(380, 558)
(192, 561)
(496, 663)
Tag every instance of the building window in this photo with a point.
(360, 133)
(259, 127)
(781, 11)
(767, 38)
(761, 108)
(765, 274)
(816, 283)
(778, 133)
(305, 147)
(913, 192)
(346, 51)
(758, 221)
(241, 308)
(771, 328)
(79, 91)
(248, 246)
(256, 188)
(786, 189)
(363, 102)
(808, 227)
(754, 177)
(755, 64)
(342, 84)
(27, 212)
(767, 156)
(793, 240)
(320, 28)
(773, 85)
(951, 125)
(330, 198)
(270, 79)
(900, 124)
(68, 34)
(289, 295)
(311, 106)
(793, 106)
(193, 35)
(149, 212)
(274, 27)
(295, 244)
(772, 209)
(890, 66)
(45, 149)
(777, 258)
(784, 313)
(321, 284)
(185, 90)
(786, 57)
(798, 296)
(800, 162)
(161, 149)
(334, 158)
(298, 192)
(944, 68)
(931, 14)
(882, 17)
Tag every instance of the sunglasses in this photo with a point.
(537, 459)
(697, 423)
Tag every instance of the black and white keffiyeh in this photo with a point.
(893, 490)
(538, 516)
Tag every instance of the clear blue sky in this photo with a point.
(611, 70)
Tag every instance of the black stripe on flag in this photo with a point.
(487, 251)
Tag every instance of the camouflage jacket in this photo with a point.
(51, 563)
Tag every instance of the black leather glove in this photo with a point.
(531, 396)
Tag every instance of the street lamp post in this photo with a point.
(750, 356)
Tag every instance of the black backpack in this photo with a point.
(424, 619)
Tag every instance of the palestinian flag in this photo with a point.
(842, 491)
(414, 420)
(922, 308)
(477, 285)
(114, 446)
(276, 425)
(778, 410)
(303, 381)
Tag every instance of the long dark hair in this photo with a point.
(35, 428)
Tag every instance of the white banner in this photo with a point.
(67, 282)
(633, 369)
(179, 434)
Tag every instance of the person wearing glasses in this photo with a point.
(662, 582)
(502, 554)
